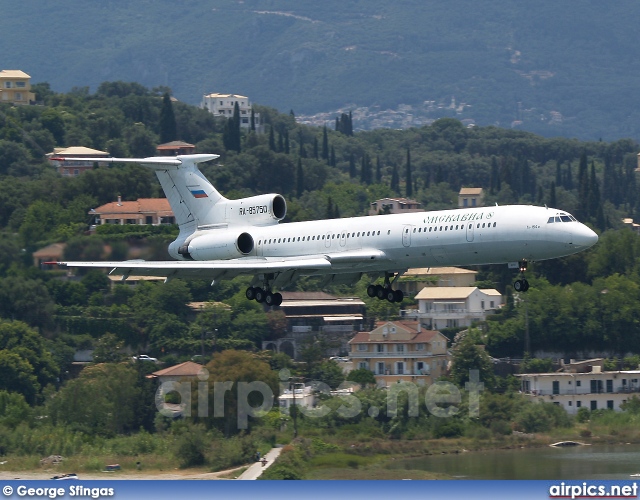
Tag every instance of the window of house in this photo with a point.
(419, 347)
(363, 347)
(610, 404)
(578, 404)
(380, 347)
(400, 348)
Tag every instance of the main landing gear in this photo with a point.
(521, 285)
(386, 291)
(263, 295)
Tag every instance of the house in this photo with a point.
(15, 87)
(299, 395)
(177, 373)
(415, 280)
(452, 307)
(142, 211)
(50, 253)
(318, 315)
(587, 386)
(394, 206)
(74, 168)
(470, 197)
(223, 105)
(398, 351)
(174, 148)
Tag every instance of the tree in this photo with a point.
(168, 127)
(468, 356)
(362, 376)
(299, 179)
(409, 181)
(325, 144)
(235, 367)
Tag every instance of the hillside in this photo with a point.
(558, 68)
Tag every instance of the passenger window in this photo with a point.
(494, 224)
(483, 225)
(478, 226)
(445, 228)
(429, 229)
(451, 228)
(414, 229)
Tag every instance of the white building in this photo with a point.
(394, 206)
(223, 104)
(594, 390)
(453, 306)
(300, 395)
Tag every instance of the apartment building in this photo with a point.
(15, 87)
(398, 351)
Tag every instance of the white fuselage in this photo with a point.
(467, 236)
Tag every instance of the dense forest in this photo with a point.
(583, 303)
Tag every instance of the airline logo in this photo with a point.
(199, 193)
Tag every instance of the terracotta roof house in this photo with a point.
(175, 148)
(50, 253)
(142, 211)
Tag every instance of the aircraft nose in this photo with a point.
(584, 237)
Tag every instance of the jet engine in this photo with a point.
(218, 244)
(260, 210)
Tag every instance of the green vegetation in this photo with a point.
(584, 302)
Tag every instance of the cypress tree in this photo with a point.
(378, 170)
(315, 148)
(325, 143)
(583, 186)
(494, 179)
(409, 181)
(253, 121)
(552, 196)
(299, 179)
(594, 193)
(365, 173)
(280, 142)
(168, 127)
(272, 139)
(352, 166)
(286, 141)
(329, 208)
(332, 160)
(395, 180)
(235, 127)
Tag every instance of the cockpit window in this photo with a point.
(573, 218)
(550, 221)
(565, 218)
(558, 219)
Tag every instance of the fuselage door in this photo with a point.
(406, 236)
(343, 238)
(469, 231)
(327, 241)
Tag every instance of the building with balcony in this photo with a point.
(415, 280)
(142, 211)
(222, 105)
(15, 87)
(394, 206)
(454, 307)
(398, 351)
(470, 197)
(594, 389)
(318, 316)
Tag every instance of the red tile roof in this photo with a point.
(142, 205)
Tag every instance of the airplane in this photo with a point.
(221, 238)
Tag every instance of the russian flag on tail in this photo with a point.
(199, 193)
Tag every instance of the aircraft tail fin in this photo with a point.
(192, 197)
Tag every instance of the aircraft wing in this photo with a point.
(227, 269)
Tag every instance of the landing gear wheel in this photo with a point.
(372, 291)
(390, 295)
(250, 293)
(399, 296)
(269, 299)
(521, 285)
(260, 294)
(277, 299)
(380, 292)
